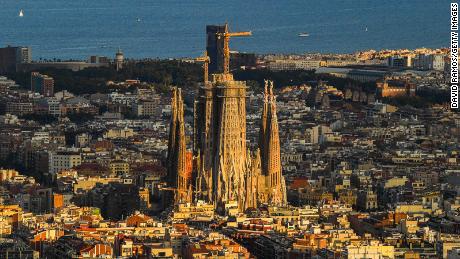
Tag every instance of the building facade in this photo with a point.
(62, 160)
(11, 57)
(42, 84)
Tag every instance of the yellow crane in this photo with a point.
(167, 189)
(227, 35)
(205, 59)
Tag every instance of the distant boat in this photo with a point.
(21, 13)
(366, 28)
(138, 19)
(303, 34)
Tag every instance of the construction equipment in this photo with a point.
(205, 59)
(227, 35)
(167, 189)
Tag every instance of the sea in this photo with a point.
(76, 29)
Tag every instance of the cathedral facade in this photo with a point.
(225, 170)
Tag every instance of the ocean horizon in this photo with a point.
(176, 29)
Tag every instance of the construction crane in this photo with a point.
(227, 35)
(167, 189)
(205, 59)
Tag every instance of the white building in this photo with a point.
(54, 107)
(287, 64)
(125, 99)
(430, 62)
(62, 160)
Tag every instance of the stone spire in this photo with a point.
(252, 177)
(271, 153)
(172, 139)
(177, 159)
(263, 126)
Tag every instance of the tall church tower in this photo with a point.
(220, 140)
(205, 123)
(172, 142)
(275, 186)
(230, 144)
(220, 127)
(226, 173)
(178, 177)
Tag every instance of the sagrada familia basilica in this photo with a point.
(224, 169)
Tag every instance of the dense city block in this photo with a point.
(229, 155)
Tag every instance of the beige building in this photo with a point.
(190, 211)
(395, 182)
(118, 133)
(160, 250)
(373, 251)
(8, 174)
(146, 108)
(119, 167)
(412, 209)
(88, 183)
(409, 226)
(144, 199)
(10, 217)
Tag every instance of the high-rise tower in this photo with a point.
(215, 47)
(42, 84)
(119, 59)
